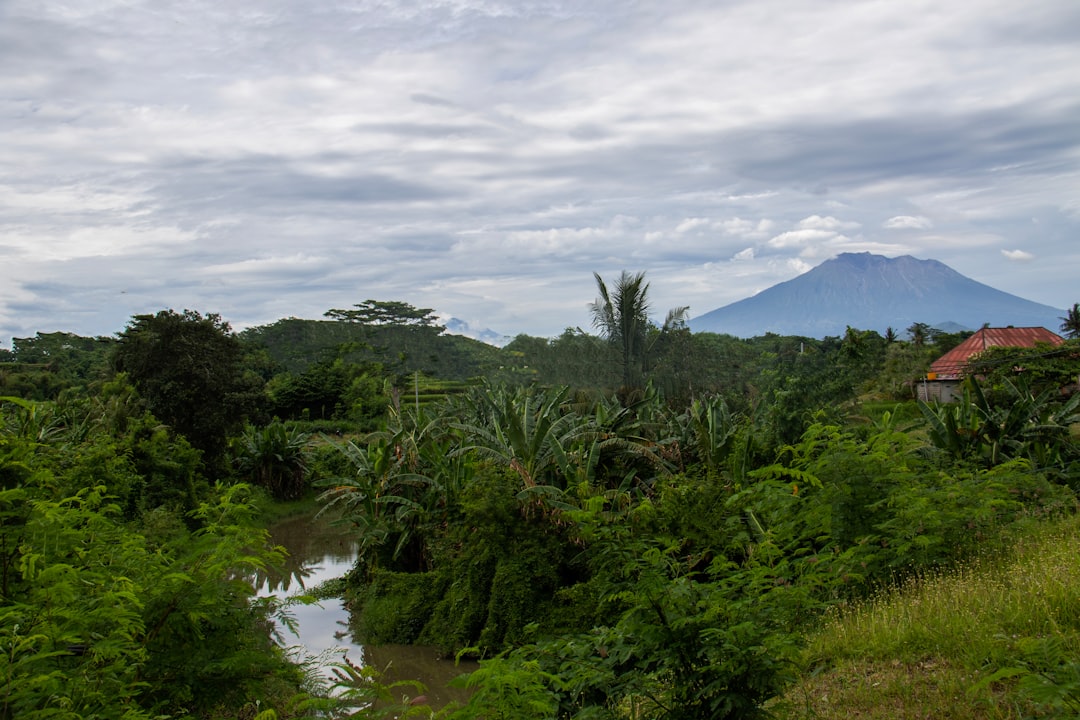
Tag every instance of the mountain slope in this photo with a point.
(873, 292)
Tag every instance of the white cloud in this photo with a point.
(816, 222)
(67, 244)
(744, 228)
(800, 238)
(270, 267)
(486, 156)
(908, 222)
(799, 266)
(1017, 255)
(690, 224)
(551, 242)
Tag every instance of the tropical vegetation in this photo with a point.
(642, 523)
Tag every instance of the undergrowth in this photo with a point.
(995, 637)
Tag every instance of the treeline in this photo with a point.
(341, 374)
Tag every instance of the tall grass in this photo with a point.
(953, 643)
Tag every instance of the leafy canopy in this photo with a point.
(190, 370)
(386, 312)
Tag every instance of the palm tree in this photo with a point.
(1070, 324)
(622, 316)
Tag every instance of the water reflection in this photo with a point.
(414, 662)
(320, 550)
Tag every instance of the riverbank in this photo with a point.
(320, 554)
(272, 511)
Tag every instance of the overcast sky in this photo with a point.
(264, 159)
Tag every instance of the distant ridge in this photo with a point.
(873, 292)
(456, 326)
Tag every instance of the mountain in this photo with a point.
(873, 292)
(456, 326)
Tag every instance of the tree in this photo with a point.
(903, 367)
(41, 367)
(1070, 323)
(919, 333)
(574, 358)
(313, 394)
(190, 371)
(622, 316)
(387, 312)
(104, 616)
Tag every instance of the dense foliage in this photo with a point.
(107, 615)
(642, 524)
(190, 370)
(295, 345)
(41, 367)
(636, 555)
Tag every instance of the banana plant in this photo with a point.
(31, 420)
(525, 431)
(1025, 425)
(273, 457)
(1047, 440)
(955, 427)
(636, 435)
(713, 431)
(376, 500)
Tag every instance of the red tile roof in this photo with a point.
(950, 366)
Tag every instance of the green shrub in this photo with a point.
(458, 619)
(394, 607)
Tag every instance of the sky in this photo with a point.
(264, 159)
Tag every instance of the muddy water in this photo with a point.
(321, 551)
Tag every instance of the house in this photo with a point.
(942, 382)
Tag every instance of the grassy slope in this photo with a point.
(929, 648)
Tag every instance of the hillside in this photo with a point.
(297, 344)
(967, 642)
(873, 292)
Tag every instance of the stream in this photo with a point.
(320, 551)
